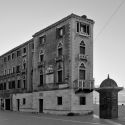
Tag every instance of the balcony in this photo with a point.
(41, 64)
(82, 57)
(59, 58)
(85, 86)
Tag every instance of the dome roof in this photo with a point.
(108, 83)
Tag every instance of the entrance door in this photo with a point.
(41, 105)
(18, 104)
(7, 104)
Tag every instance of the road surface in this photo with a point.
(19, 118)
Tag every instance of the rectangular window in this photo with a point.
(13, 84)
(9, 57)
(60, 76)
(5, 59)
(41, 79)
(60, 32)
(10, 85)
(13, 70)
(24, 101)
(60, 51)
(24, 65)
(1, 86)
(83, 28)
(24, 50)
(82, 101)
(77, 26)
(18, 53)
(42, 40)
(41, 57)
(18, 83)
(82, 74)
(82, 50)
(18, 69)
(32, 45)
(59, 100)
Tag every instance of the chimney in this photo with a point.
(84, 16)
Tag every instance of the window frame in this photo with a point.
(59, 100)
(82, 100)
(84, 26)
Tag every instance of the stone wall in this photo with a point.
(50, 101)
(27, 107)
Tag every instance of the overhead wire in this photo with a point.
(110, 18)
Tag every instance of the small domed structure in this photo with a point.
(108, 98)
(108, 83)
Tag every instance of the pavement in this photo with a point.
(21, 118)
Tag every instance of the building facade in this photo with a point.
(59, 77)
(16, 72)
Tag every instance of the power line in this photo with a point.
(110, 18)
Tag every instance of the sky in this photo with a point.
(20, 19)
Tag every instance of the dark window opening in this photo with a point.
(82, 49)
(24, 101)
(82, 101)
(82, 74)
(60, 76)
(41, 57)
(1, 86)
(42, 40)
(4, 86)
(18, 83)
(9, 57)
(5, 59)
(18, 69)
(60, 51)
(60, 32)
(83, 28)
(24, 65)
(24, 50)
(59, 100)
(18, 53)
(77, 26)
(41, 79)
(13, 84)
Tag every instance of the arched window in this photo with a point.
(60, 49)
(41, 56)
(82, 72)
(82, 47)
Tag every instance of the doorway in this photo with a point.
(18, 104)
(7, 104)
(41, 105)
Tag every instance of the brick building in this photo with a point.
(59, 69)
